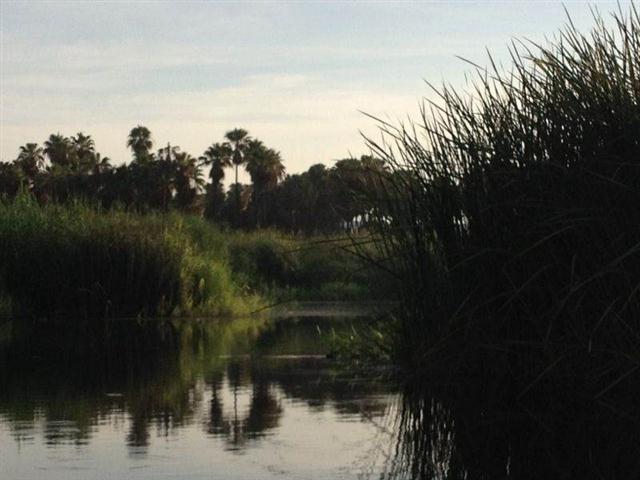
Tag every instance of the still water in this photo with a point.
(248, 399)
(259, 399)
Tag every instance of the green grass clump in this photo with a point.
(262, 259)
(292, 268)
(510, 214)
(75, 260)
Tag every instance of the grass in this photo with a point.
(74, 260)
(509, 214)
(77, 261)
(302, 268)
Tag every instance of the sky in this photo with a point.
(297, 75)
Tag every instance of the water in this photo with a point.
(250, 399)
(258, 399)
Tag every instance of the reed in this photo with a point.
(74, 260)
(77, 261)
(509, 213)
(304, 268)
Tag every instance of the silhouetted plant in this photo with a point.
(510, 213)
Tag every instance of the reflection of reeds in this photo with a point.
(158, 376)
(466, 431)
(511, 213)
(425, 440)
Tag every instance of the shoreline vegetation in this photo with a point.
(80, 237)
(505, 219)
(74, 260)
(511, 213)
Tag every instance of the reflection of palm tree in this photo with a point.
(264, 410)
(217, 424)
(138, 436)
(234, 373)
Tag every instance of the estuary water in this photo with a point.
(245, 399)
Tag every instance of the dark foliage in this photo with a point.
(321, 200)
(511, 216)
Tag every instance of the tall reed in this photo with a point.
(78, 261)
(510, 212)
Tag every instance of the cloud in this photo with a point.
(295, 76)
(304, 117)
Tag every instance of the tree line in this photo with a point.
(320, 200)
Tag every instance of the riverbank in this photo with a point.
(78, 261)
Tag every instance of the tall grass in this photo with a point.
(304, 268)
(510, 213)
(74, 260)
(78, 261)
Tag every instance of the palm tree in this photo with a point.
(264, 166)
(218, 156)
(30, 160)
(266, 170)
(239, 142)
(238, 139)
(237, 201)
(162, 174)
(168, 153)
(10, 180)
(83, 146)
(101, 164)
(189, 181)
(59, 150)
(140, 142)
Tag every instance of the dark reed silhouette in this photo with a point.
(510, 220)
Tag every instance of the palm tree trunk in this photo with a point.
(237, 193)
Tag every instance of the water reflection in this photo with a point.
(475, 429)
(140, 400)
(239, 383)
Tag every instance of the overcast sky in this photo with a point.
(295, 74)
